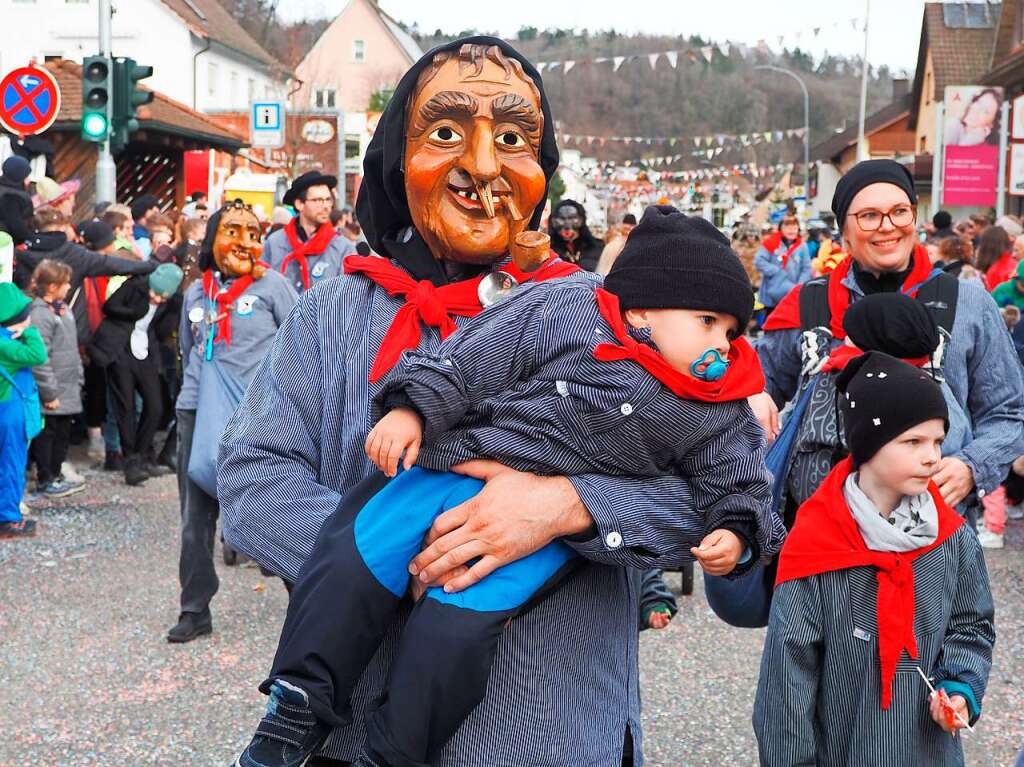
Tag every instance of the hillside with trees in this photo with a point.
(694, 98)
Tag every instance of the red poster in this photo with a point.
(970, 175)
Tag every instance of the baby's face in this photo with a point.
(683, 335)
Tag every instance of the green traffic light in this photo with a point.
(95, 125)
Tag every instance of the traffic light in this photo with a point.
(128, 97)
(96, 98)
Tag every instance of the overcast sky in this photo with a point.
(893, 36)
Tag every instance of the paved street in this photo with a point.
(88, 679)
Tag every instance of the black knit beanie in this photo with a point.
(880, 398)
(892, 323)
(864, 174)
(674, 261)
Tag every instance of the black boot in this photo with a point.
(113, 462)
(134, 473)
(191, 626)
(169, 455)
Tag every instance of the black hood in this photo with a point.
(587, 239)
(382, 208)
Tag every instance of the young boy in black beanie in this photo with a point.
(647, 377)
(851, 639)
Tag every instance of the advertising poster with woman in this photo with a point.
(971, 137)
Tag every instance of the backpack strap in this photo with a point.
(814, 309)
(940, 295)
(10, 380)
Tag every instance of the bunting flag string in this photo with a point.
(701, 143)
(748, 170)
(704, 53)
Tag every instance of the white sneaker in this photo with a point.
(97, 449)
(990, 540)
(67, 469)
(1015, 511)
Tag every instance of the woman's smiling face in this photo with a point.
(887, 249)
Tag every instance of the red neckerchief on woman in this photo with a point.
(742, 378)
(225, 300)
(787, 314)
(840, 357)
(772, 243)
(430, 305)
(826, 538)
(301, 251)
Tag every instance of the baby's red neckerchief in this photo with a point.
(430, 305)
(742, 379)
(826, 538)
(301, 251)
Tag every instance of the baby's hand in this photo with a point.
(719, 552)
(399, 431)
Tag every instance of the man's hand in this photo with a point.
(659, 618)
(954, 479)
(945, 708)
(719, 552)
(514, 515)
(400, 431)
(766, 412)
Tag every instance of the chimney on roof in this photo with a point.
(900, 88)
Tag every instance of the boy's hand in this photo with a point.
(52, 404)
(399, 431)
(944, 709)
(719, 552)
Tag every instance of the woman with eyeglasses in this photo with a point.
(876, 211)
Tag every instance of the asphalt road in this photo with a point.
(86, 678)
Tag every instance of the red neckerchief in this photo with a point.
(742, 378)
(225, 301)
(787, 314)
(314, 246)
(826, 538)
(840, 357)
(429, 305)
(772, 243)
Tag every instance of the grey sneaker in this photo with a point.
(289, 732)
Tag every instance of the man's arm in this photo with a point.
(97, 265)
(995, 395)
(270, 495)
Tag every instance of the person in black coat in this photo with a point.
(571, 239)
(127, 345)
(51, 241)
(15, 201)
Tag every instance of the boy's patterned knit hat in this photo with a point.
(674, 261)
(880, 398)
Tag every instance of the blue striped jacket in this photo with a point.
(563, 689)
(521, 386)
(818, 698)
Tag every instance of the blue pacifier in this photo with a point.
(710, 366)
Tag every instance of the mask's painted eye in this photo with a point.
(511, 139)
(445, 135)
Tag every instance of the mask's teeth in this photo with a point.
(486, 199)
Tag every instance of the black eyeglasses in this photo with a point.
(871, 220)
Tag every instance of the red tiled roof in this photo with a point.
(162, 115)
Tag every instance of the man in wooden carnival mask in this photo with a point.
(237, 243)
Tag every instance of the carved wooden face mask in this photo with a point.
(236, 246)
(472, 176)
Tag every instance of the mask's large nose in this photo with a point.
(481, 162)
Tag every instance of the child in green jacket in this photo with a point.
(21, 349)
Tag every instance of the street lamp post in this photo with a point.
(807, 116)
